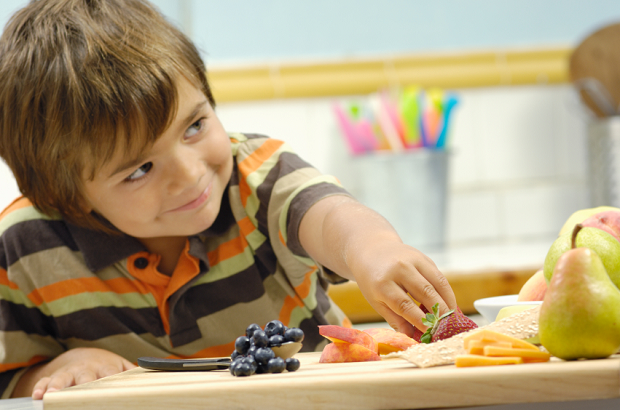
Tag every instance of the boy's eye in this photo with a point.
(195, 128)
(140, 172)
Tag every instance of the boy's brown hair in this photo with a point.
(78, 79)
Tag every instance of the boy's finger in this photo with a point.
(59, 381)
(39, 388)
(396, 322)
(439, 291)
(127, 365)
(427, 294)
(85, 376)
(110, 370)
(400, 308)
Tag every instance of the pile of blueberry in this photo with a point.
(253, 353)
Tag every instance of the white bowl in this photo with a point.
(490, 307)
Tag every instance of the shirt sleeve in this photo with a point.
(285, 187)
(24, 341)
(26, 335)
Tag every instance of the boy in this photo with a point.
(145, 229)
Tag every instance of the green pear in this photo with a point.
(605, 245)
(580, 314)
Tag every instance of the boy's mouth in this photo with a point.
(202, 198)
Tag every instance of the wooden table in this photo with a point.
(387, 384)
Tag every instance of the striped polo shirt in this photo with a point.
(64, 286)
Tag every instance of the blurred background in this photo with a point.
(518, 137)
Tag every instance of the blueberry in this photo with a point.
(233, 366)
(276, 340)
(275, 327)
(276, 365)
(294, 334)
(251, 362)
(251, 351)
(261, 368)
(292, 364)
(243, 369)
(249, 331)
(263, 355)
(242, 344)
(260, 339)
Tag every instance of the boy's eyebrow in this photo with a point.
(128, 164)
(140, 159)
(190, 118)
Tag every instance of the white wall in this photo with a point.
(518, 167)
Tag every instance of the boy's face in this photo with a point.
(175, 188)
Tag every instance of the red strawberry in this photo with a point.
(446, 326)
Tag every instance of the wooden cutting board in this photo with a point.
(388, 384)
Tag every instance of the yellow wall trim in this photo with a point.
(351, 77)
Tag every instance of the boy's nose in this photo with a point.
(185, 171)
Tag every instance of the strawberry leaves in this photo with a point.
(446, 325)
(432, 322)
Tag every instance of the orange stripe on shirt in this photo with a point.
(4, 280)
(19, 203)
(301, 291)
(281, 237)
(290, 303)
(11, 366)
(252, 162)
(227, 250)
(246, 226)
(76, 286)
(244, 192)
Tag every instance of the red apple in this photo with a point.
(609, 221)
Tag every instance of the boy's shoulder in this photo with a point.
(238, 140)
(21, 210)
(258, 146)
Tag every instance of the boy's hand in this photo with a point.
(359, 244)
(73, 367)
(392, 273)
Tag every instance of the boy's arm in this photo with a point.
(73, 367)
(359, 244)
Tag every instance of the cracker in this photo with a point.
(522, 325)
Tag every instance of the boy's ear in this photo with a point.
(85, 206)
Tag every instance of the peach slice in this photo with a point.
(346, 352)
(346, 334)
(390, 340)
